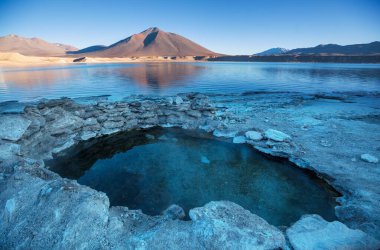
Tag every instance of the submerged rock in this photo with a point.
(205, 160)
(253, 135)
(12, 127)
(227, 225)
(313, 232)
(369, 158)
(276, 135)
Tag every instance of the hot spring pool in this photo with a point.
(152, 169)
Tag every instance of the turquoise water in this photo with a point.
(120, 80)
(153, 169)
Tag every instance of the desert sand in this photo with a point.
(10, 59)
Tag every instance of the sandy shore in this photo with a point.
(18, 60)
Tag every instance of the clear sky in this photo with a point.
(232, 27)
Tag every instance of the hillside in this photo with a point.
(32, 46)
(152, 42)
(354, 49)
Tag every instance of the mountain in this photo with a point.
(272, 51)
(88, 49)
(354, 49)
(32, 46)
(152, 42)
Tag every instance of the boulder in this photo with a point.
(276, 135)
(227, 225)
(313, 232)
(253, 135)
(12, 127)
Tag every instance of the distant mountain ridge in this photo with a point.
(354, 49)
(151, 42)
(33, 46)
(88, 49)
(272, 51)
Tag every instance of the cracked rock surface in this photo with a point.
(327, 134)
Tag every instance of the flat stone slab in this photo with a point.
(254, 135)
(12, 127)
(313, 232)
(276, 135)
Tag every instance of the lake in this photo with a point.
(120, 80)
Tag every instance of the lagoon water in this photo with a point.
(121, 80)
(150, 170)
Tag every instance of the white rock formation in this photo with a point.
(253, 135)
(276, 135)
(313, 232)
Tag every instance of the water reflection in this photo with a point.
(121, 80)
(160, 75)
(30, 78)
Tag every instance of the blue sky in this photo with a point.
(232, 27)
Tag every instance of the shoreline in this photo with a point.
(17, 60)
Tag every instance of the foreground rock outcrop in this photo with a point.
(313, 232)
(41, 210)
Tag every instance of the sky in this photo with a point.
(230, 27)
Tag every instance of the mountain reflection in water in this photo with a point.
(160, 75)
(120, 80)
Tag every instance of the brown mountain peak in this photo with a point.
(153, 42)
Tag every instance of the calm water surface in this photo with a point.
(121, 80)
(171, 166)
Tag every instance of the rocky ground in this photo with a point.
(336, 135)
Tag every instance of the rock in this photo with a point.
(63, 147)
(88, 135)
(90, 122)
(178, 100)
(219, 133)
(63, 122)
(276, 135)
(9, 150)
(12, 127)
(205, 160)
(369, 158)
(239, 139)
(174, 212)
(313, 232)
(170, 100)
(253, 135)
(80, 59)
(227, 225)
(112, 125)
(194, 113)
